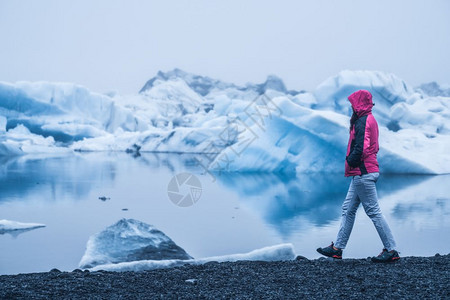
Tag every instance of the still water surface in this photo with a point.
(235, 213)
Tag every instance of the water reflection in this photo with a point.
(278, 198)
(173, 161)
(15, 233)
(71, 175)
(63, 193)
(425, 204)
(75, 175)
(289, 202)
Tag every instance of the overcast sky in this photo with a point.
(118, 45)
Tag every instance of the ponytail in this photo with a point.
(353, 120)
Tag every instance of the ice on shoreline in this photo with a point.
(7, 226)
(271, 253)
(129, 240)
(131, 245)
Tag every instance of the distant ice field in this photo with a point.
(252, 128)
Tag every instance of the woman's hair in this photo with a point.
(353, 120)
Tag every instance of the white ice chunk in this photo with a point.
(129, 240)
(7, 226)
(271, 253)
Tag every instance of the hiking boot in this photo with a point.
(331, 251)
(386, 256)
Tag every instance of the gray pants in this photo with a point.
(363, 190)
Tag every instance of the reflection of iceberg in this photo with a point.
(388, 184)
(271, 253)
(171, 161)
(423, 204)
(281, 198)
(439, 207)
(57, 175)
(76, 174)
(130, 240)
(290, 202)
(15, 228)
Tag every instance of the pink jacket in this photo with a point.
(362, 146)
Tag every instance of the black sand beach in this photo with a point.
(409, 278)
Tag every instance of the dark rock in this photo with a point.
(54, 270)
(411, 278)
(134, 150)
(299, 257)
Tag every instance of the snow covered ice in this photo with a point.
(130, 240)
(271, 253)
(131, 245)
(257, 127)
(14, 227)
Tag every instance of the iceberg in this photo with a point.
(387, 90)
(131, 245)
(252, 128)
(64, 111)
(271, 253)
(15, 228)
(303, 140)
(201, 85)
(129, 240)
(20, 140)
(433, 89)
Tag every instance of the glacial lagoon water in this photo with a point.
(80, 194)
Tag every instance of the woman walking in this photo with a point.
(361, 164)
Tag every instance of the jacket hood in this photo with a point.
(361, 102)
